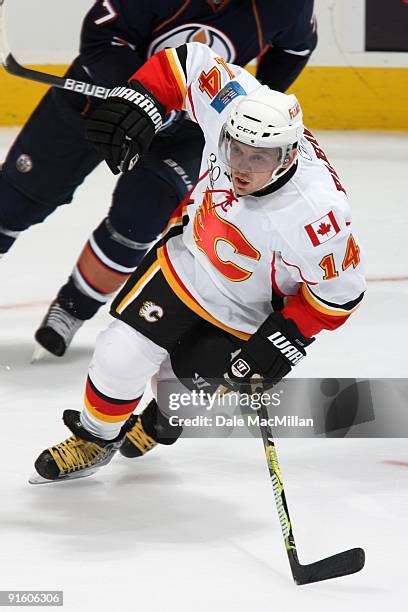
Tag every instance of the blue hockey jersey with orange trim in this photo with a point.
(281, 34)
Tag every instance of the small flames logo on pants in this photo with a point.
(151, 312)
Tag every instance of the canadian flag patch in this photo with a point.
(323, 229)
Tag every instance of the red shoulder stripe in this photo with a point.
(309, 320)
(162, 76)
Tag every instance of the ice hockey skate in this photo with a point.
(56, 332)
(146, 430)
(78, 456)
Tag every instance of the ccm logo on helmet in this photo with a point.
(246, 130)
(286, 348)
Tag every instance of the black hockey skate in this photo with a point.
(80, 455)
(146, 430)
(57, 330)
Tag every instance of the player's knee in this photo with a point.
(124, 361)
(117, 247)
(142, 204)
(17, 211)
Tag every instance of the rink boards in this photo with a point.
(333, 97)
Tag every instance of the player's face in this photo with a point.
(251, 167)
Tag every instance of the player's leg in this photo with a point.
(152, 426)
(142, 203)
(123, 362)
(46, 163)
(17, 213)
(202, 355)
(111, 254)
(126, 356)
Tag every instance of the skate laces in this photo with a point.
(74, 454)
(139, 437)
(61, 321)
(230, 198)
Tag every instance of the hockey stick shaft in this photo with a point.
(341, 564)
(13, 67)
(277, 484)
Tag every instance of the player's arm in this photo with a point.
(335, 288)
(289, 51)
(110, 43)
(313, 313)
(333, 292)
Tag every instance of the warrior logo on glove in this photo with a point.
(286, 348)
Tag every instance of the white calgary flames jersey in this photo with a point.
(236, 252)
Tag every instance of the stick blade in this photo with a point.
(342, 564)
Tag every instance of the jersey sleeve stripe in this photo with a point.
(163, 76)
(178, 71)
(309, 319)
(329, 308)
(182, 57)
(347, 307)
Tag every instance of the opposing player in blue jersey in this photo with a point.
(51, 158)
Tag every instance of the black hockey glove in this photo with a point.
(122, 127)
(270, 353)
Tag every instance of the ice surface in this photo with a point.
(195, 526)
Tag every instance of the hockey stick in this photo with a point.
(12, 66)
(342, 564)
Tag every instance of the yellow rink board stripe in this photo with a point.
(353, 98)
(332, 97)
(18, 97)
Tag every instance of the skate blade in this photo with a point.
(38, 354)
(36, 479)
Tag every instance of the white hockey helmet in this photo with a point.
(265, 119)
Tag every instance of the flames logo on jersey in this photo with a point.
(210, 229)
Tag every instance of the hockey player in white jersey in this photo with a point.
(262, 249)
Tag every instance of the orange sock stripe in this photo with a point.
(95, 273)
(106, 405)
(104, 417)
